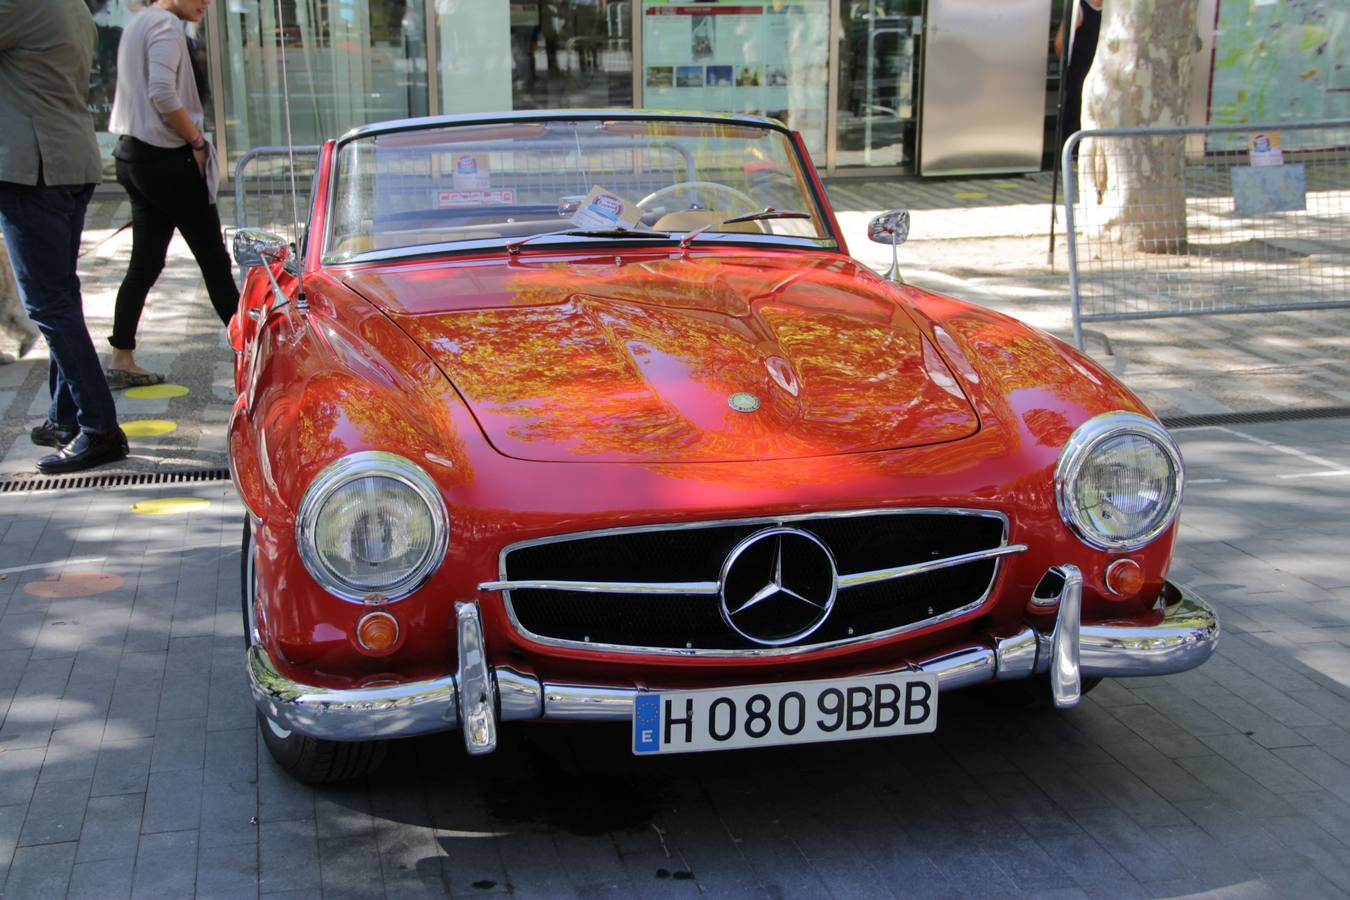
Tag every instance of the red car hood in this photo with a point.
(643, 360)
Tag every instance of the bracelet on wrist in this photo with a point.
(199, 143)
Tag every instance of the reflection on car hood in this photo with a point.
(713, 357)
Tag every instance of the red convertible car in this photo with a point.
(589, 416)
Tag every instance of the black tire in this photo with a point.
(307, 759)
(316, 761)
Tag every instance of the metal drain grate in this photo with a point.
(129, 479)
(1256, 418)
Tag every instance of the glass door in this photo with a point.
(878, 77)
(347, 63)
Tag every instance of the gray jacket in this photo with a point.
(46, 51)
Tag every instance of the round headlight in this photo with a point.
(372, 523)
(1119, 481)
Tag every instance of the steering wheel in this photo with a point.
(711, 187)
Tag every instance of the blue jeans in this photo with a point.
(42, 226)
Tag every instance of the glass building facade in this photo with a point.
(850, 75)
(351, 62)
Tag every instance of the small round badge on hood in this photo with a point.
(742, 401)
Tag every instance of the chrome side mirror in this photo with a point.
(253, 247)
(891, 228)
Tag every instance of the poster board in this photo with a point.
(766, 57)
(1279, 60)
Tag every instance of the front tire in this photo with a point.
(307, 759)
(316, 761)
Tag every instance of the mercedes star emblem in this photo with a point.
(743, 402)
(778, 586)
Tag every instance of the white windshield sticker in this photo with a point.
(472, 172)
(605, 209)
(494, 197)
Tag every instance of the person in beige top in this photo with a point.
(49, 163)
(166, 166)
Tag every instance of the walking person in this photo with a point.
(49, 164)
(1087, 25)
(168, 170)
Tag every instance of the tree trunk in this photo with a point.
(1132, 190)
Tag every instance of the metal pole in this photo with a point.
(1070, 187)
(1066, 48)
(870, 63)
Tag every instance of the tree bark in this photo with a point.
(1132, 190)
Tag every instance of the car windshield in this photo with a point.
(465, 186)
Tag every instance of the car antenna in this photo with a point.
(290, 156)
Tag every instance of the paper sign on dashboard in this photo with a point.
(605, 209)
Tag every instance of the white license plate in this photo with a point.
(803, 712)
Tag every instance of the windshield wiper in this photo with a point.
(767, 213)
(513, 248)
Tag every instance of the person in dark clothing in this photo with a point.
(49, 164)
(1087, 24)
(168, 170)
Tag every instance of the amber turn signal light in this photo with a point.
(377, 631)
(1124, 578)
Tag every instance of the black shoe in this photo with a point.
(84, 452)
(49, 434)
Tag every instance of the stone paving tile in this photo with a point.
(166, 865)
(173, 802)
(229, 814)
(102, 880)
(349, 868)
(112, 828)
(55, 812)
(289, 857)
(40, 872)
(122, 767)
(229, 871)
(1308, 841)
(179, 745)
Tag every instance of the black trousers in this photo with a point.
(167, 192)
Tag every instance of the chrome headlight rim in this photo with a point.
(367, 464)
(1078, 449)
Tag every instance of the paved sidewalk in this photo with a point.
(129, 762)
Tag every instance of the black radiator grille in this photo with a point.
(860, 543)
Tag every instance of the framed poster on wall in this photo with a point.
(765, 57)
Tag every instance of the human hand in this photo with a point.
(199, 156)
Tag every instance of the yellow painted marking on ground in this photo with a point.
(73, 584)
(971, 195)
(156, 392)
(149, 427)
(169, 506)
(1004, 184)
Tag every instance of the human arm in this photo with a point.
(1059, 34)
(164, 55)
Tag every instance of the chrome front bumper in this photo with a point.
(477, 696)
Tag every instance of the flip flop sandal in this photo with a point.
(125, 378)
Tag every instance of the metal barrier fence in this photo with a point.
(262, 189)
(1202, 220)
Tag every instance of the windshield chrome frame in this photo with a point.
(830, 241)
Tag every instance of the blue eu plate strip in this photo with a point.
(646, 723)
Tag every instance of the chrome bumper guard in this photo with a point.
(477, 696)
